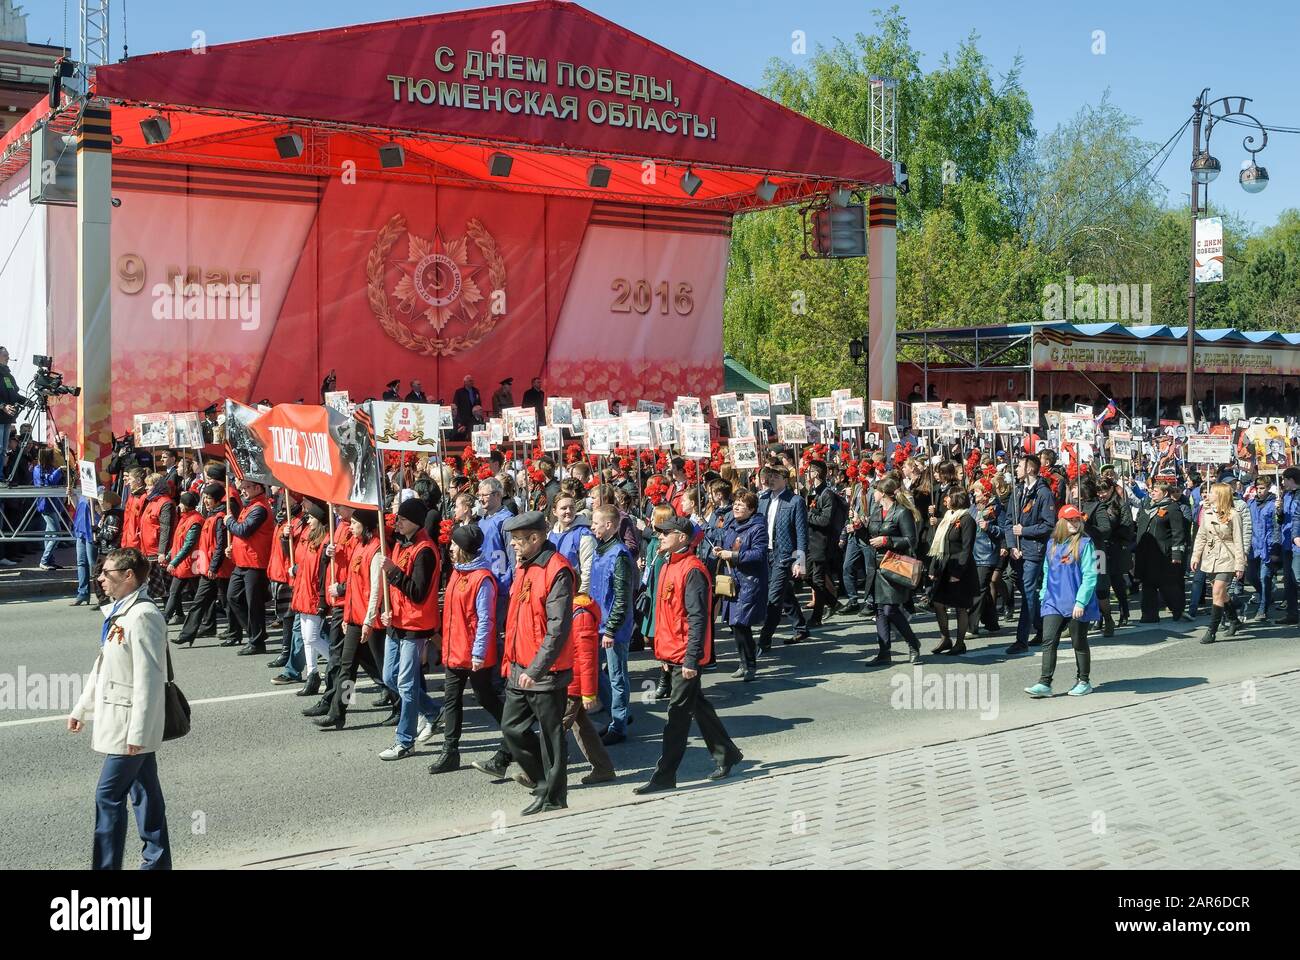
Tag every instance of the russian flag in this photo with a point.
(1109, 413)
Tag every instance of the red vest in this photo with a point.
(460, 620)
(671, 625)
(255, 551)
(306, 580)
(277, 569)
(151, 528)
(185, 569)
(585, 641)
(343, 544)
(131, 510)
(407, 615)
(208, 543)
(526, 619)
(358, 574)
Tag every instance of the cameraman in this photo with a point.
(10, 402)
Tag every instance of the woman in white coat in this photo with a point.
(126, 695)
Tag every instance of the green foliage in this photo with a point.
(1081, 201)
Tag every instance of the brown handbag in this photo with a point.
(724, 584)
(901, 570)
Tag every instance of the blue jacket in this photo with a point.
(988, 542)
(609, 555)
(1265, 532)
(567, 544)
(790, 535)
(1290, 519)
(43, 478)
(749, 538)
(1068, 584)
(82, 527)
(497, 549)
(1036, 515)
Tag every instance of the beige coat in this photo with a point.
(1219, 545)
(126, 690)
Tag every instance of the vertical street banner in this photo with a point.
(1209, 250)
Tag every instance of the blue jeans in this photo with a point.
(1263, 582)
(403, 676)
(1290, 578)
(51, 529)
(1029, 578)
(297, 658)
(136, 777)
(854, 563)
(85, 565)
(615, 685)
(1198, 591)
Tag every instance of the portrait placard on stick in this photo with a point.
(595, 410)
(781, 394)
(154, 430)
(689, 410)
(882, 412)
(792, 428)
(481, 443)
(823, 408)
(759, 405)
(559, 411)
(552, 439)
(724, 405)
(853, 413)
(744, 454)
(188, 430)
(89, 479)
(696, 441)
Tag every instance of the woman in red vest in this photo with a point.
(684, 641)
(250, 548)
(212, 565)
(309, 571)
(363, 634)
(131, 508)
(469, 640)
(332, 627)
(180, 563)
(157, 519)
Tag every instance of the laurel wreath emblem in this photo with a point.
(377, 294)
(417, 436)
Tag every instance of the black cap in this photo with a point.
(529, 520)
(414, 510)
(468, 537)
(369, 519)
(507, 381)
(316, 509)
(676, 524)
(393, 384)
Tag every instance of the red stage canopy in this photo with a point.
(544, 81)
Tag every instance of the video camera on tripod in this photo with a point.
(47, 383)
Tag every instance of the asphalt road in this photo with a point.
(255, 781)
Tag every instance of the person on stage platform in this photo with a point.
(538, 659)
(179, 563)
(534, 397)
(212, 566)
(250, 542)
(465, 400)
(11, 400)
(412, 619)
(391, 393)
(416, 393)
(126, 695)
(1068, 595)
(684, 641)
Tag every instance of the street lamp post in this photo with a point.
(858, 354)
(1205, 168)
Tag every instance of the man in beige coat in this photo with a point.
(126, 694)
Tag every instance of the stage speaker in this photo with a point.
(391, 155)
(289, 146)
(53, 168)
(840, 232)
(155, 129)
(691, 183)
(598, 176)
(766, 190)
(500, 164)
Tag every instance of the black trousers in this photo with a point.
(544, 758)
(1163, 585)
(745, 649)
(453, 701)
(985, 611)
(823, 588)
(687, 703)
(352, 655)
(281, 607)
(1053, 626)
(247, 601)
(201, 621)
(780, 599)
(180, 589)
(333, 629)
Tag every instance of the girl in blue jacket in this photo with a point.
(1068, 595)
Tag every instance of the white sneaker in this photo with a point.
(425, 731)
(395, 752)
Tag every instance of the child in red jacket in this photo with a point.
(583, 690)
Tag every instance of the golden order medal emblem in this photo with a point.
(440, 283)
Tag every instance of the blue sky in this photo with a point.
(1158, 54)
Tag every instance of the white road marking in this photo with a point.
(238, 696)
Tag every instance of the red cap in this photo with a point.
(1070, 512)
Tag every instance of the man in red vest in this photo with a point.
(539, 661)
(250, 548)
(212, 565)
(684, 640)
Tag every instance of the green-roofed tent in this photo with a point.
(737, 379)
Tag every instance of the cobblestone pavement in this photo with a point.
(1206, 779)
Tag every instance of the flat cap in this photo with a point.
(676, 524)
(529, 520)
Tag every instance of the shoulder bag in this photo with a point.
(176, 709)
(901, 570)
(724, 584)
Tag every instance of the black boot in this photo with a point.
(1107, 625)
(1234, 621)
(312, 686)
(318, 709)
(881, 657)
(446, 762)
(664, 689)
(1216, 615)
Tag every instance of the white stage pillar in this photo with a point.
(882, 254)
(94, 436)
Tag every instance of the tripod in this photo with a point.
(36, 412)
